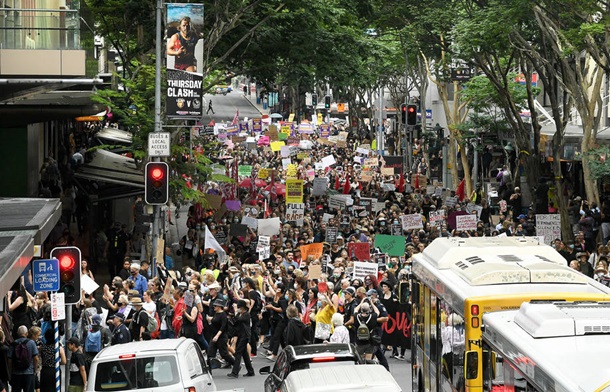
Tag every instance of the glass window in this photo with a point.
(128, 374)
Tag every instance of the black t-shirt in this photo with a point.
(76, 361)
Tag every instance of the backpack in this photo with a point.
(362, 332)
(22, 359)
(93, 342)
(152, 323)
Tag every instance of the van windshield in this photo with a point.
(136, 373)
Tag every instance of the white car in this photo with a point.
(169, 365)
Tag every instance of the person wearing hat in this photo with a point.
(585, 266)
(349, 304)
(220, 338)
(120, 332)
(78, 372)
(139, 320)
(242, 332)
(95, 338)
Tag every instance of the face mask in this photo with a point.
(296, 286)
(290, 272)
(357, 231)
(212, 227)
(277, 271)
(235, 220)
(286, 297)
(319, 304)
(382, 223)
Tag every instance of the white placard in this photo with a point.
(326, 217)
(320, 185)
(361, 150)
(412, 221)
(362, 269)
(437, 218)
(286, 162)
(295, 212)
(250, 222)
(158, 144)
(285, 151)
(548, 226)
(466, 222)
(58, 306)
(388, 187)
(264, 240)
(88, 284)
(328, 160)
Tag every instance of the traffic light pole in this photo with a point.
(156, 224)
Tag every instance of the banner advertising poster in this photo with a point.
(184, 54)
(294, 191)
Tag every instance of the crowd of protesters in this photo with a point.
(238, 297)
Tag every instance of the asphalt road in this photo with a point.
(225, 107)
(401, 370)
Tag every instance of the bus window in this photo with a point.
(453, 348)
(472, 365)
(493, 372)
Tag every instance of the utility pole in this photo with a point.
(157, 209)
(380, 129)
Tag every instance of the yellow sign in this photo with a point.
(340, 107)
(320, 118)
(276, 146)
(291, 117)
(294, 191)
(263, 173)
(291, 171)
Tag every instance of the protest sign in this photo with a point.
(337, 203)
(362, 269)
(221, 237)
(412, 221)
(294, 191)
(331, 234)
(437, 218)
(391, 244)
(285, 151)
(264, 253)
(326, 217)
(233, 205)
(397, 229)
(286, 162)
(451, 201)
(295, 212)
(394, 162)
(328, 160)
(359, 250)
(344, 222)
(320, 186)
(388, 187)
(314, 271)
(548, 226)
(466, 222)
(250, 222)
(276, 146)
(214, 201)
(269, 226)
(314, 250)
(244, 170)
(263, 173)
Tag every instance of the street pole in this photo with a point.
(475, 169)
(157, 209)
(380, 129)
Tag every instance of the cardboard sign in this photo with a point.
(295, 212)
(359, 250)
(314, 250)
(315, 271)
(214, 201)
(466, 222)
(412, 221)
(331, 234)
(294, 191)
(361, 270)
(272, 133)
(390, 244)
(548, 226)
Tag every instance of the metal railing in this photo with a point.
(32, 28)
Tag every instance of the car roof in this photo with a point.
(142, 347)
(312, 350)
(343, 378)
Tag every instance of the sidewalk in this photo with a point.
(258, 106)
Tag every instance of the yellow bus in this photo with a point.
(456, 281)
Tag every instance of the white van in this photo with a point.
(168, 365)
(342, 377)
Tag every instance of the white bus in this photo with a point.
(546, 347)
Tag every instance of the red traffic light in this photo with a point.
(156, 173)
(156, 183)
(66, 261)
(69, 272)
(411, 109)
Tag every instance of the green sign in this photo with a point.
(244, 170)
(393, 245)
(282, 136)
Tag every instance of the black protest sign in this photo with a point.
(221, 237)
(394, 162)
(331, 234)
(396, 229)
(344, 222)
(238, 230)
(397, 330)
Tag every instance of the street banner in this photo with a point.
(294, 191)
(412, 221)
(437, 218)
(362, 269)
(548, 226)
(314, 250)
(269, 226)
(359, 250)
(184, 55)
(295, 212)
(393, 245)
(466, 222)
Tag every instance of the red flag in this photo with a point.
(459, 192)
(235, 119)
(267, 210)
(347, 186)
(401, 183)
(235, 178)
(337, 183)
(416, 185)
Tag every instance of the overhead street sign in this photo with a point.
(46, 275)
(158, 144)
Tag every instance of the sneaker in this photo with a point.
(232, 375)
(395, 356)
(226, 365)
(400, 357)
(252, 374)
(252, 355)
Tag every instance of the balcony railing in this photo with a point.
(31, 28)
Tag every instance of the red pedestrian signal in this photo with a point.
(156, 183)
(411, 114)
(69, 272)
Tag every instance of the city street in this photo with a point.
(225, 107)
(401, 370)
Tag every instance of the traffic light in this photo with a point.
(411, 114)
(327, 102)
(156, 183)
(403, 113)
(314, 100)
(69, 272)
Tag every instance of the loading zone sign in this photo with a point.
(46, 275)
(158, 144)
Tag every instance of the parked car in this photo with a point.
(350, 378)
(177, 365)
(309, 356)
(223, 89)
